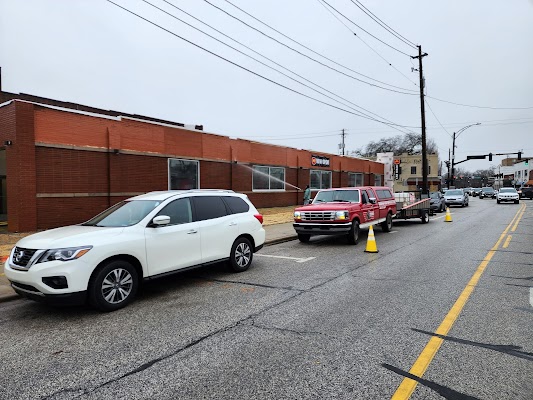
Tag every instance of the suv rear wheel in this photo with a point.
(241, 255)
(113, 286)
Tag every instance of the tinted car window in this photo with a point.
(383, 194)
(179, 211)
(236, 204)
(209, 207)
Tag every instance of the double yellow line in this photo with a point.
(408, 385)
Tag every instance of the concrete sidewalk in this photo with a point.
(276, 227)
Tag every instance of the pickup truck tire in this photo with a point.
(302, 237)
(386, 225)
(424, 216)
(353, 236)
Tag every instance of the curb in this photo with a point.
(9, 297)
(281, 240)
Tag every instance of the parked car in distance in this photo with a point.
(104, 260)
(526, 192)
(456, 197)
(443, 190)
(487, 192)
(507, 194)
(468, 190)
(437, 201)
(476, 192)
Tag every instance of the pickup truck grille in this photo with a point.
(318, 215)
(22, 257)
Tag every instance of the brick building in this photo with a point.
(62, 163)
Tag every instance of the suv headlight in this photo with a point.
(66, 254)
(341, 215)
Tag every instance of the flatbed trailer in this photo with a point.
(410, 204)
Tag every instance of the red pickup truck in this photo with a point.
(344, 211)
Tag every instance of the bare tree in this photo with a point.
(410, 143)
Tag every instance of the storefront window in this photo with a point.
(183, 174)
(355, 180)
(320, 179)
(377, 180)
(268, 178)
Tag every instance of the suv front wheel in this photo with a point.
(241, 255)
(113, 286)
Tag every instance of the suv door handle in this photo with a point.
(192, 231)
(232, 224)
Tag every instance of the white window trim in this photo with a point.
(182, 159)
(321, 171)
(268, 190)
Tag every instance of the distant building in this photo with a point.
(406, 171)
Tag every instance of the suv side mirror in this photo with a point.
(161, 220)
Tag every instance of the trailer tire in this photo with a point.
(386, 225)
(424, 216)
(353, 236)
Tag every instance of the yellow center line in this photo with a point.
(408, 385)
(507, 241)
(521, 214)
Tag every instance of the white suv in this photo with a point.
(104, 259)
(507, 194)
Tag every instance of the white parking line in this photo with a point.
(299, 260)
(531, 296)
(442, 216)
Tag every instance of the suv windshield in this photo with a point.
(125, 213)
(487, 189)
(508, 190)
(328, 196)
(434, 195)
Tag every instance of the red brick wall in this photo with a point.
(17, 125)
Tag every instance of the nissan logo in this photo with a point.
(19, 256)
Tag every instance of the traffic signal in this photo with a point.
(490, 156)
(519, 155)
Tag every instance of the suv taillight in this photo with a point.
(259, 217)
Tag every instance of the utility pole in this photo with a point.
(423, 112)
(449, 164)
(342, 143)
(453, 161)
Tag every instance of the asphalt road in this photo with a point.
(307, 321)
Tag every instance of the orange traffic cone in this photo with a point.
(371, 246)
(448, 217)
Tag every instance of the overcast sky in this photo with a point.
(480, 53)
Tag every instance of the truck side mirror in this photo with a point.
(372, 200)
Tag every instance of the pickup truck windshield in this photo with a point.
(329, 196)
(125, 213)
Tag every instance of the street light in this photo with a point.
(455, 135)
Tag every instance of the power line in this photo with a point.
(366, 44)
(430, 109)
(311, 50)
(473, 106)
(266, 65)
(248, 70)
(383, 24)
(364, 30)
(305, 55)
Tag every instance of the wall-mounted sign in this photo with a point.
(397, 171)
(397, 161)
(319, 161)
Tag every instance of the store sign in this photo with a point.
(397, 161)
(319, 161)
(397, 171)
